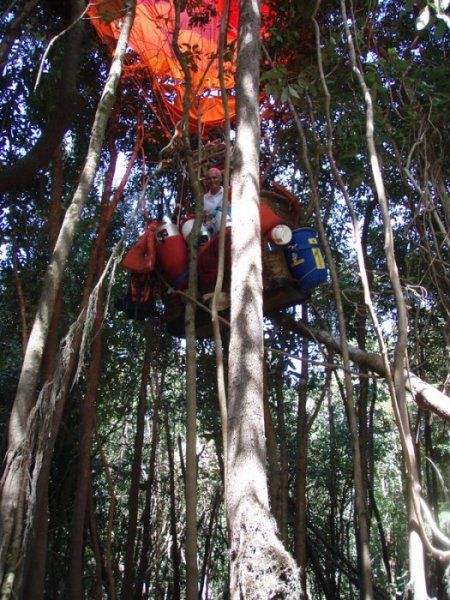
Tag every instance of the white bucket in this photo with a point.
(280, 235)
(186, 227)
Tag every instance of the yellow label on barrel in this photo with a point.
(312, 241)
(297, 262)
(320, 264)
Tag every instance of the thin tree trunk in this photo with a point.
(397, 382)
(300, 469)
(283, 468)
(191, 445)
(12, 503)
(87, 417)
(260, 566)
(20, 294)
(272, 458)
(332, 492)
(87, 409)
(433, 495)
(209, 540)
(98, 587)
(129, 563)
(142, 577)
(384, 547)
(362, 530)
(54, 224)
(221, 383)
(189, 321)
(174, 552)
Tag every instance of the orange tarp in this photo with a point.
(151, 38)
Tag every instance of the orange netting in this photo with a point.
(151, 38)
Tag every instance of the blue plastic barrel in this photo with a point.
(305, 259)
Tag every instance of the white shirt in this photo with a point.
(212, 201)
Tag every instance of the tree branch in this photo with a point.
(23, 170)
(424, 394)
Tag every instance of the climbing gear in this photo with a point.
(138, 302)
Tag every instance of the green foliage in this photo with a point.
(406, 72)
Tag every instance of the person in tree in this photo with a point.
(212, 200)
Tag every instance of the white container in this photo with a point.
(280, 235)
(186, 226)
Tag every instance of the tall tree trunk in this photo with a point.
(87, 408)
(332, 492)
(14, 480)
(260, 566)
(397, 381)
(33, 574)
(129, 564)
(174, 551)
(209, 540)
(283, 468)
(142, 577)
(87, 416)
(272, 455)
(98, 587)
(300, 469)
(191, 443)
(190, 330)
(20, 294)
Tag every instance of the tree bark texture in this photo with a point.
(32, 575)
(260, 566)
(17, 464)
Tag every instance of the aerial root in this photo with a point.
(265, 569)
